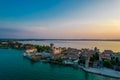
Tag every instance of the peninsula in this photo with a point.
(105, 63)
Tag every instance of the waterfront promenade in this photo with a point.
(102, 71)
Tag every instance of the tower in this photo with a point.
(96, 50)
(87, 60)
(52, 46)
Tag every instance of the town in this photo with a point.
(84, 58)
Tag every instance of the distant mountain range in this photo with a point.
(60, 39)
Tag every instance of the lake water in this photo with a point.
(13, 66)
(102, 45)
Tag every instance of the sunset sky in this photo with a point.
(60, 19)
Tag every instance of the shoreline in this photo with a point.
(101, 71)
(98, 71)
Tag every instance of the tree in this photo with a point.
(107, 63)
(82, 61)
(94, 57)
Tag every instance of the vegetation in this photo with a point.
(17, 45)
(94, 57)
(107, 63)
(82, 61)
(118, 64)
(59, 60)
(10, 44)
(41, 48)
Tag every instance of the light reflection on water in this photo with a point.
(102, 45)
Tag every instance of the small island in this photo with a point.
(105, 63)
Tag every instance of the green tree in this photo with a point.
(107, 63)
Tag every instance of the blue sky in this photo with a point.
(56, 19)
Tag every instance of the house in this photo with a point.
(57, 56)
(31, 50)
(107, 54)
(4, 43)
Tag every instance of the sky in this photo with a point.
(60, 19)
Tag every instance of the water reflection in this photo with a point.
(66, 72)
(102, 45)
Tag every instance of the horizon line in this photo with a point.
(38, 39)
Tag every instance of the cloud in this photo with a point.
(63, 28)
(22, 32)
(10, 33)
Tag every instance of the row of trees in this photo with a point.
(11, 44)
(17, 45)
(111, 63)
(95, 57)
(42, 48)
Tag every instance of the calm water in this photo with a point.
(14, 67)
(102, 45)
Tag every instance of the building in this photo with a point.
(31, 50)
(107, 54)
(4, 43)
(55, 50)
(96, 50)
(86, 54)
